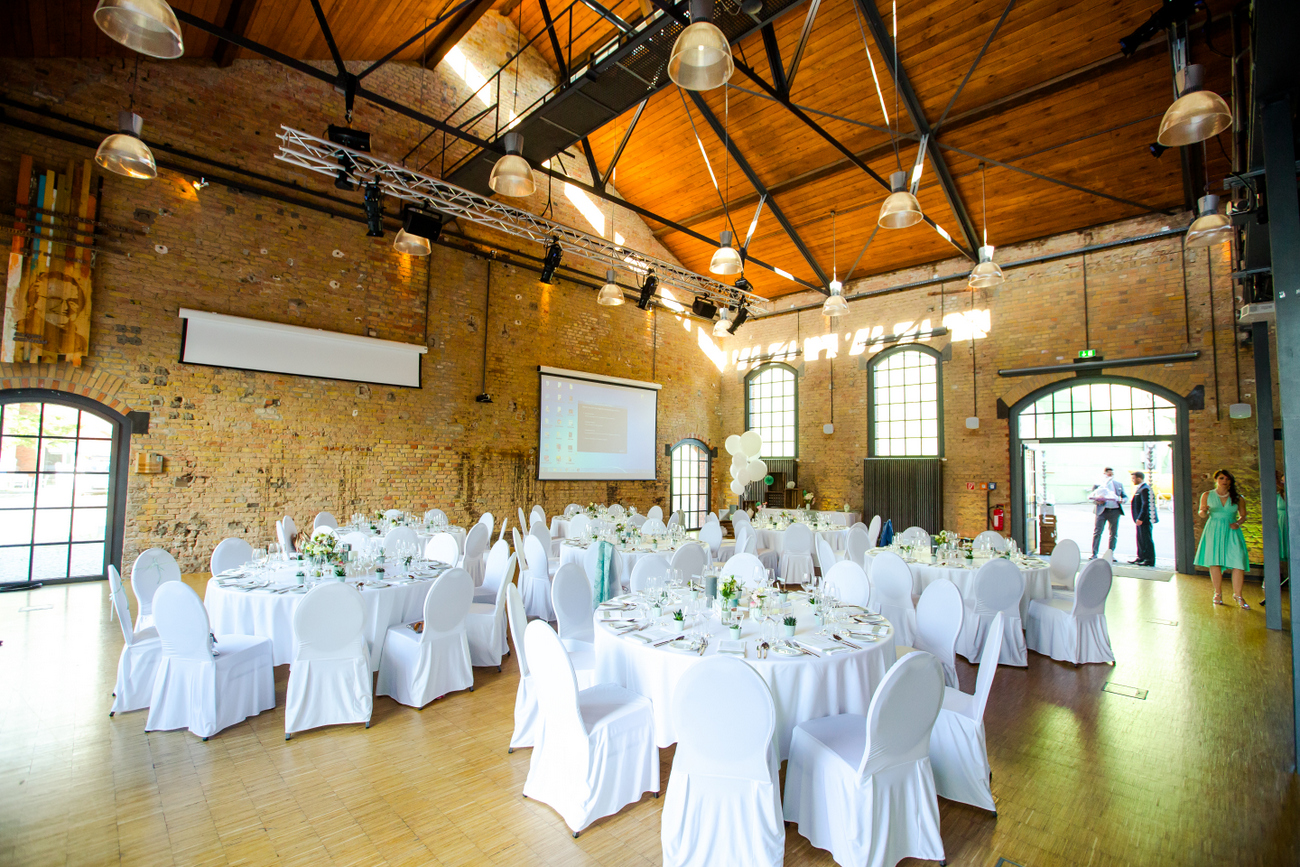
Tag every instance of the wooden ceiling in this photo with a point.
(1050, 103)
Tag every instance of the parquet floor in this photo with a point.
(1198, 773)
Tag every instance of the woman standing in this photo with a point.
(1222, 543)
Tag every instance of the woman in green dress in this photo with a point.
(1223, 546)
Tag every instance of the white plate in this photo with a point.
(787, 651)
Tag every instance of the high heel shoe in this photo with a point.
(1242, 602)
(1218, 598)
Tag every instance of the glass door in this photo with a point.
(1029, 463)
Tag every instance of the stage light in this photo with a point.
(742, 313)
(551, 262)
(374, 205)
(1157, 149)
(647, 291)
(354, 139)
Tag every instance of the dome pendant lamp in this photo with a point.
(726, 259)
(123, 153)
(835, 305)
(512, 175)
(900, 209)
(1211, 227)
(1197, 115)
(147, 26)
(701, 58)
(720, 327)
(610, 295)
(986, 274)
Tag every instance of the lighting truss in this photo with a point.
(321, 156)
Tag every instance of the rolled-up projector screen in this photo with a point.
(597, 428)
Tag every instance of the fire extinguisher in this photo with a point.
(997, 518)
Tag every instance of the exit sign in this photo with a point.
(1087, 353)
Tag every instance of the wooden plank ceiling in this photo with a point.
(1050, 96)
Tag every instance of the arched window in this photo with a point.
(689, 481)
(62, 487)
(905, 403)
(772, 408)
(1098, 409)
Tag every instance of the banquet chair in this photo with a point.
(690, 560)
(524, 523)
(442, 548)
(501, 534)
(959, 755)
(356, 540)
(676, 520)
(151, 570)
(862, 787)
(485, 624)
(571, 510)
(653, 527)
(571, 599)
(999, 585)
(578, 526)
(859, 524)
(329, 678)
(873, 532)
(138, 664)
(490, 521)
(712, 518)
(850, 582)
(595, 752)
(938, 623)
(230, 553)
(745, 568)
(199, 686)
(857, 546)
(914, 536)
(826, 556)
(282, 538)
(747, 543)
(528, 720)
(394, 514)
(324, 519)
(290, 535)
(796, 563)
(435, 515)
(741, 516)
(1064, 566)
(711, 536)
(613, 577)
(1074, 630)
(1108, 555)
(418, 667)
(399, 537)
(647, 568)
(637, 521)
(654, 513)
(536, 581)
(549, 545)
(495, 572)
(891, 593)
(995, 540)
(519, 549)
(537, 514)
(617, 511)
(724, 796)
(476, 545)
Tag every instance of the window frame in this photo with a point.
(706, 475)
(794, 396)
(872, 365)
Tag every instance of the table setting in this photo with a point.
(375, 527)
(630, 544)
(770, 526)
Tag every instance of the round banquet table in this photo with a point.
(573, 552)
(269, 613)
(771, 537)
(1038, 578)
(375, 538)
(803, 687)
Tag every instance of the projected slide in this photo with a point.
(595, 429)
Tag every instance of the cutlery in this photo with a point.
(845, 641)
(704, 642)
(667, 640)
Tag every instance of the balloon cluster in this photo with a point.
(746, 468)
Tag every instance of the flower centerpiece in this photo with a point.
(592, 510)
(322, 547)
(729, 590)
(808, 497)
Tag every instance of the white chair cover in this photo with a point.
(476, 544)
(891, 593)
(796, 563)
(647, 568)
(400, 536)
(229, 554)
(329, 678)
(417, 668)
(998, 587)
(571, 599)
(501, 534)
(995, 540)
(914, 536)
(711, 518)
(537, 514)
(442, 548)
(198, 686)
(571, 510)
(849, 582)
(637, 521)
(1074, 630)
(745, 568)
(494, 572)
(677, 519)
(485, 624)
(357, 540)
(536, 583)
(578, 526)
(860, 526)
(549, 545)
(873, 532)
(524, 523)
(958, 752)
(325, 519)
(747, 543)
(1064, 565)
(290, 532)
(286, 544)
(862, 787)
(138, 664)
(939, 616)
(595, 752)
(826, 556)
(435, 515)
(711, 535)
(690, 560)
(519, 549)
(151, 570)
(591, 568)
(739, 516)
(654, 513)
(394, 514)
(724, 797)
(617, 511)
(857, 546)
(490, 521)
(528, 719)
(653, 527)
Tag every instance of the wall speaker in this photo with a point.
(703, 308)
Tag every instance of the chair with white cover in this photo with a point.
(826, 556)
(711, 536)
(490, 520)
(537, 514)
(995, 540)
(690, 560)
(747, 543)
(501, 534)
(329, 678)
(528, 719)
(891, 593)
(394, 514)
(998, 587)
(739, 516)
(873, 532)
(519, 549)
(647, 568)
(676, 520)
(595, 752)
(914, 536)
(654, 513)
(356, 540)
(959, 754)
(724, 797)
(400, 538)
(571, 510)
(571, 599)
(291, 533)
(495, 571)
(325, 519)
(138, 664)
(578, 526)
(637, 521)
(614, 576)
(850, 583)
(745, 568)
(418, 667)
(938, 623)
(443, 549)
(230, 553)
(283, 539)
(1074, 630)
(617, 511)
(549, 545)
(198, 686)
(653, 527)
(859, 524)
(485, 624)
(796, 563)
(535, 584)
(435, 515)
(151, 570)
(857, 546)
(524, 523)
(1064, 565)
(712, 518)
(862, 787)
(476, 545)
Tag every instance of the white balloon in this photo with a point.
(755, 470)
(762, 469)
(751, 443)
(737, 487)
(733, 445)
(738, 463)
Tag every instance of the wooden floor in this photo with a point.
(1198, 773)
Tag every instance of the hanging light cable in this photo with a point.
(701, 58)
(512, 175)
(900, 208)
(835, 305)
(987, 273)
(726, 259)
(123, 152)
(610, 295)
(147, 26)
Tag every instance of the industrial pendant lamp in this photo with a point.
(512, 175)
(147, 26)
(900, 209)
(726, 259)
(610, 295)
(412, 245)
(701, 58)
(835, 305)
(1197, 115)
(1210, 227)
(986, 274)
(123, 153)
(720, 327)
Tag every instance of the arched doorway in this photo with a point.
(690, 481)
(63, 462)
(1098, 410)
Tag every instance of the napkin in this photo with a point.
(821, 644)
(861, 631)
(732, 648)
(654, 634)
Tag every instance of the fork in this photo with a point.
(704, 643)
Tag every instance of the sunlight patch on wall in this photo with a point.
(968, 325)
(587, 206)
(872, 338)
(813, 347)
(711, 349)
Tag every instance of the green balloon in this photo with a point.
(767, 480)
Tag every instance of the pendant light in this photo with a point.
(512, 175)
(123, 152)
(726, 259)
(412, 245)
(900, 209)
(701, 58)
(1197, 115)
(835, 305)
(720, 327)
(986, 274)
(1210, 227)
(147, 26)
(610, 295)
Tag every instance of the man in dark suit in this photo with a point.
(1142, 509)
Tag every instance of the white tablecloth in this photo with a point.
(376, 537)
(571, 553)
(1038, 579)
(270, 615)
(775, 539)
(844, 519)
(803, 687)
